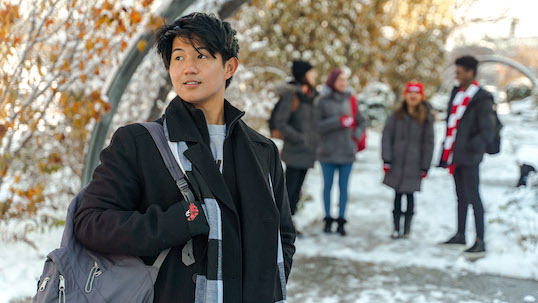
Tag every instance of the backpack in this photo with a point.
(73, 273)
(495, 146)
(275, 133)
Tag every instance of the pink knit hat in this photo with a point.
(331, 79)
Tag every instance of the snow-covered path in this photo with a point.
(368, 266)
(329, 279)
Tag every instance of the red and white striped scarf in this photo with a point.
(459, 105)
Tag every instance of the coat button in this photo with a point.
(194, 277)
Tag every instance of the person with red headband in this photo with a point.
(470, 129)
(337, 126)
(407, 150)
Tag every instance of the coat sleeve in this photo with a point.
(486, 126)
(287, 231)
(388, 139)
(361, 125)
(282, 116)
(324, 122)
(108, 221)
(427, 145)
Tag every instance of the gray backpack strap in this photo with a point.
(157, 132)
(160, 259)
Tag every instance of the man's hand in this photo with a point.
(196, 221)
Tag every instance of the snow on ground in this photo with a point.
(511, 226)
(511, 214)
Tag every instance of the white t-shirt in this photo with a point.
(217, 134)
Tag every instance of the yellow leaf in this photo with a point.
(142, 45)
(135, 17)
(89, 45)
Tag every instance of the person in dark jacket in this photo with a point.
(337, 149)
(132, 205)
(470, 128)
(294, 118)
(407, 150)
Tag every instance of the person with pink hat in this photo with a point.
(407, 150)
(338, 122)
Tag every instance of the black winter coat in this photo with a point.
(298, 127)
(476, 129)
(131, 206)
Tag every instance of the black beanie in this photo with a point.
(300, 68)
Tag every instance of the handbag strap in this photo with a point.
(353, 104)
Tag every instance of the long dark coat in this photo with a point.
(408, 146)
(131, 206)
(476, 129)
(300, 137)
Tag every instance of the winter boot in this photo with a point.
(478, 250)
(340, 229)
(396, 217)
(328, 224)
(457, 240)
(407, 225)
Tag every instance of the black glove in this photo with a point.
(195, 217)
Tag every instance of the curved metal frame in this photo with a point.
(498, 59)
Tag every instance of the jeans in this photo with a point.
(344, 170)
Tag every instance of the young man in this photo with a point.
(470, 128)
(133, 206)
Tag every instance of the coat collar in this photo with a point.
(187, 123)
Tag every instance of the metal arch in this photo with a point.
(507, 61)
(448, 72)
(123, 75)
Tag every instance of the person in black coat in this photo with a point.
(133, 206)
(407, 150)
(470, 129)
(294, 119)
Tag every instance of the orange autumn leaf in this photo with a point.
(123, 45)
(146, 3)
(83, 78)
(64, 99)
(135, 17)
(142, 45)
(89, 45)
(48, 22)
(95, 96)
